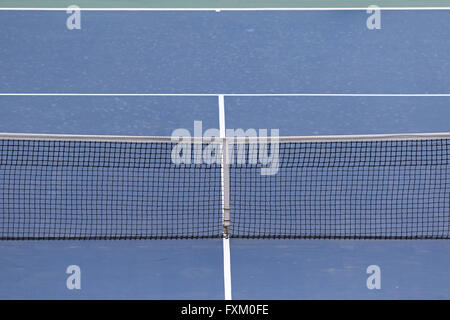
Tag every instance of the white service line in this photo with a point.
(109, 94)
(230, 9)
(6, 94)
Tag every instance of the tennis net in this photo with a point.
(348, 187)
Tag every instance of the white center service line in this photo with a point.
(227, 94)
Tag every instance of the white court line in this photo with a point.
(225, 174)
(227, 94)
(229, 9)
(227, 268)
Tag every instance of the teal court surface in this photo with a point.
(316, 71)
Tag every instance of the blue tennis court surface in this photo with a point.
(208, 52)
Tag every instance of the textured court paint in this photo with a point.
(188, 270)
(322, 269)
(205, 52)
(222, 3)
(166, 269)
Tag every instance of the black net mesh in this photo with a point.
(54, 189)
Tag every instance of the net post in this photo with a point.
(226, 221)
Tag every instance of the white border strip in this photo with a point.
(230, 9)
(100, 138)
(286, 139)
(6, 94)
(350, 138)
(225, 200)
